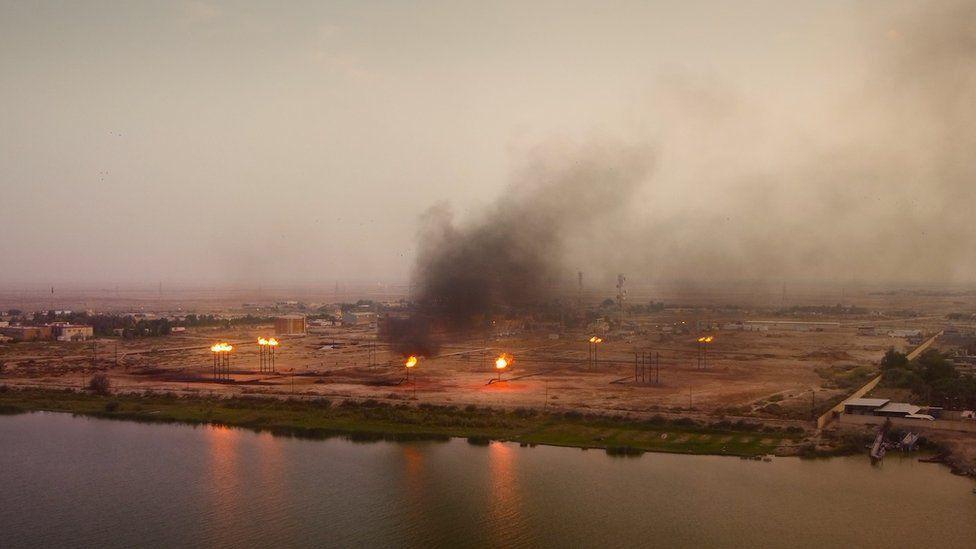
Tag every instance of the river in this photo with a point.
(83, 482)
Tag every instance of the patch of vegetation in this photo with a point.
(932, 378)
(381, 420)
(846, 376)
(100, 384)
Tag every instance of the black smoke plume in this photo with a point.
(511, 257)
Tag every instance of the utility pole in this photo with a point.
(579, 291)
(658, 360)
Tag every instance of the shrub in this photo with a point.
(524, 412)
(100, 384)
(111, 406)
(657, 419)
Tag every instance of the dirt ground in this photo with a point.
(779, 373)
(776, 374)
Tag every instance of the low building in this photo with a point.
(358, 318)
(63, 331)
(867, 331)
(290, 325)
(864, 406)
(897, 409)
(790, 325)
(905, 333)
(28, 333)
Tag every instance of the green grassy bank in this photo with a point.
(373, 420)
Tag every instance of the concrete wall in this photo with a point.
(837, 410)
(921, 348)
(938, 425)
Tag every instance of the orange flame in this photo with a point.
(503, 361)
(411, 361)
(262, 341)
(273, 342)
(221, 348)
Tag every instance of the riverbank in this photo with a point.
(370, 419)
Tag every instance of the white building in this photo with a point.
(358, 318)
(71, 332)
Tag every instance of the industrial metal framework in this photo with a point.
(592, 359)
(221, 361)
(266, 352)
(647, 367)
(703, 351)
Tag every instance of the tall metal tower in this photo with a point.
(621, 292)
(579, 292)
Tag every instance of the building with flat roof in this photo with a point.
(358, 318)
(790, 325)
(290, 325)
(28, 333)
(864, 406)
(897, 409)
(63, 331)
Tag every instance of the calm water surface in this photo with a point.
(67, 481)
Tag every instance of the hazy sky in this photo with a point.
(302, 141)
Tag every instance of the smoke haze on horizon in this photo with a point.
(691, 142)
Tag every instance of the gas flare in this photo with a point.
(411, 361)
(503, 361)
(221, 348)
(273, 342)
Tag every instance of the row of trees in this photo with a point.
(130, 326)
(932, 377)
